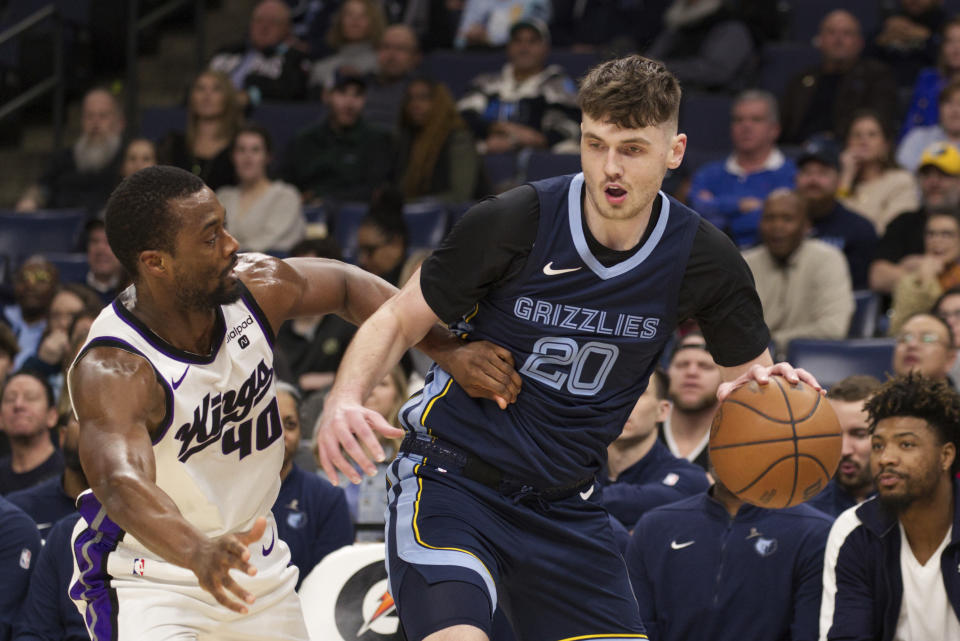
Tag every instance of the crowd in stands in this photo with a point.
(839, 181)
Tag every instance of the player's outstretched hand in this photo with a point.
(485, 370)
(343, 427)
(216, 557)
(761, 374)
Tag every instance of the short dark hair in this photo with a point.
(138, 216)
(631, 92)
(916, 396)
(26, 371)
(953, 291)
(858, 387)
(257, 130)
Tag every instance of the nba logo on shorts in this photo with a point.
(138, 566)
(243, 342)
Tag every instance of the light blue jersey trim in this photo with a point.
(580, 240)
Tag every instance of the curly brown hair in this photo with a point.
(632, 93)
(916, 396)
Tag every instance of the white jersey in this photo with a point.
(219, 451)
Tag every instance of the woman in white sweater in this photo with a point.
(262, 214)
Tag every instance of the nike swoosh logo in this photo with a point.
(273, 539)
(679, 546)
(176, 383)
(586, 494)
(550, 271)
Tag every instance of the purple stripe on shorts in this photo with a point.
(91, 549)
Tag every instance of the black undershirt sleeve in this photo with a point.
(489, 245)
(718, 291)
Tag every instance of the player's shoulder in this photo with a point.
(670, 511)
(804, 515)
(15, 522)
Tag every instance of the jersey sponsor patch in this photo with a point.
(671, 479)
(25, 557)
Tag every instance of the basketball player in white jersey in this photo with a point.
(180, 435)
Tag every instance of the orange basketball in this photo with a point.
(775, 445)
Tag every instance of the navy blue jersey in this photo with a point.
(584, 338)
(656, 479)
(49, 614)
(698, 574)
(19, 546)
(45, 503)
(312, 518)
(11, 481)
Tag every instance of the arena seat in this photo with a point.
(501, 169)
(575, 63)
(832, 361)
(23, 234)
(346, 221)
(705, 118)
(73, 266)
(157, 122)
(864, 321)
(781, 61)
(284, 120)
(427, 223)
(805, 16)
(457, 69)
(544, 164)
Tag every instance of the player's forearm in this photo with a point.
(146, 512)
(364, 294)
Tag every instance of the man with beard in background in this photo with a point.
(890, 567)
(694, 379)
(85, 174)
(853, 483)
(49, 501)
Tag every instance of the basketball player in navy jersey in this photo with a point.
(180, 433)
(583, 278)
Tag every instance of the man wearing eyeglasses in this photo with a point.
(925, 345)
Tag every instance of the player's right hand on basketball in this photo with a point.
(215, 558)
(347, 426)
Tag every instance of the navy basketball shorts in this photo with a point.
(552, 568)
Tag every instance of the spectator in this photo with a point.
(890, 569)
(938, 269)
(871, 184)
(312, 347)
(213, 118)
(368, 499)
(764, 567)
(262, 214)
(924, 345)
(265, 67)
(8, 351)
(853, 482)
(901, 248)
(803, 283)
(823, 99)
(641, 471)
(730, 193)
(48, 612)
(398, 55)
(55, 498)
(526, 104)
(357, 29)
(19, 546)
(85, 174)
(435, 23)
(948, 129)
(947, 308)
(344, 157)
(140, 153)
(311, 514)
(437, 154)
(705, 45)
(694, 378)
(34, 284)
(310, 21)
(818, 176)
(605, 24)
(27, 414)
(924, 110)
(105, 273)
(909, 38)
(382, 237)
(489, 23)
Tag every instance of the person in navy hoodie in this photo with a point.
(892, 564)
(641, 472)
(19, 545)
(853, 482)
(311, 514)
(711, 567)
